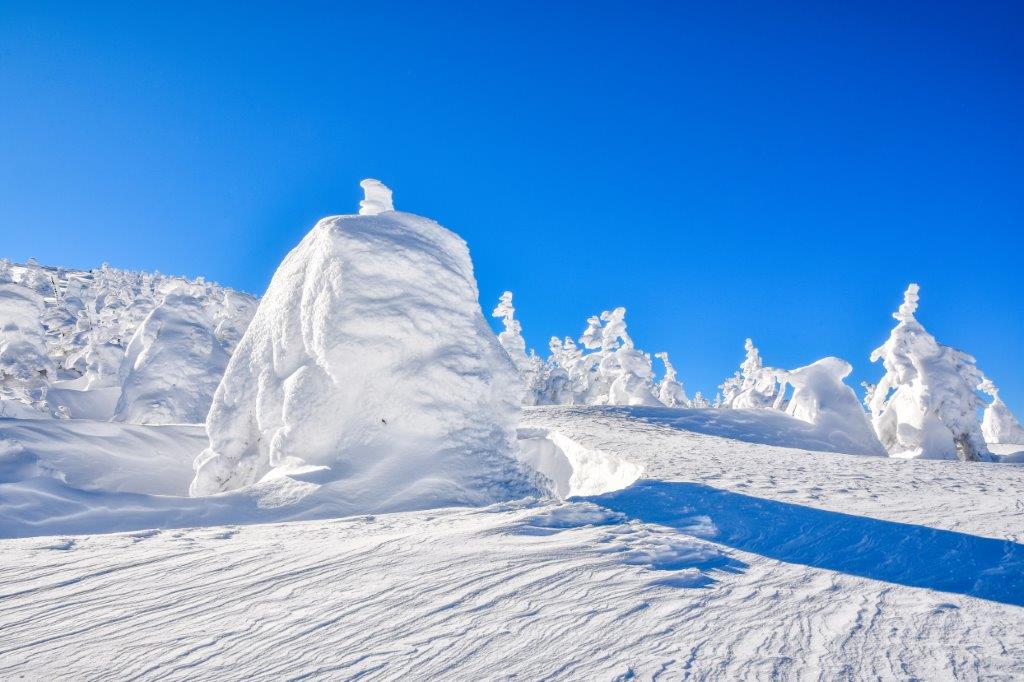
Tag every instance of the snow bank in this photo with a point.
(172, 366)
(369, 368)
(821, 398)
(572, 468)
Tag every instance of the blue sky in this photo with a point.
(723, 170)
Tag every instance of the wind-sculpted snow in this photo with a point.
(369, 368)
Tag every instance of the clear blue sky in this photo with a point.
(774, 170)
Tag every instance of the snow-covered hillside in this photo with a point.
(339, 481)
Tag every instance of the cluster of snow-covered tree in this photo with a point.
(159, 343)
(927, 404)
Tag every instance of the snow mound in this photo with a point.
(369, 368)
(172, 365)
(821, 398)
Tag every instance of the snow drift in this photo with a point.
(369, 368)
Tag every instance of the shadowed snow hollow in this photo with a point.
(369, 367)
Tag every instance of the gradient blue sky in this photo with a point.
(723, 170)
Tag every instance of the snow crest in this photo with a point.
(369, 368)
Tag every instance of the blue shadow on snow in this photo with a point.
(901, 553)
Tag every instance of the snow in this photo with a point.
(370, 370)
(727, 559)
(106, 457)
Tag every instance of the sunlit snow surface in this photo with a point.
(727, 559)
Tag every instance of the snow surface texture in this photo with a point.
(369, 367)
(727, 560)
(84, 323)
(927, 403)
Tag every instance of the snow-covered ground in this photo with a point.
(726, 559)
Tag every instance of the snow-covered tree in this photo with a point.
(622, 374)
(999, 425)
(699, 401)
(670, 389)
(511, 339)
(926, 404)
(530, 367)
(753, 385)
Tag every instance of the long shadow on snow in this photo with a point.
(906, 554)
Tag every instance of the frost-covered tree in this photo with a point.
(623, 374)
(528, 365)
(557, 386)
(511, 339)
(670, 389)
(999, 425)
(699, 401)
(753, 385)
(26, 369)
(926, 404)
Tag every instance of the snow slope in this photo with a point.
(727, 559)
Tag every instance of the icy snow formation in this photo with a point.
(821, 398)
(376, 198)
(999, 425)
(369, 367)
(172, 365)
(926, 405)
